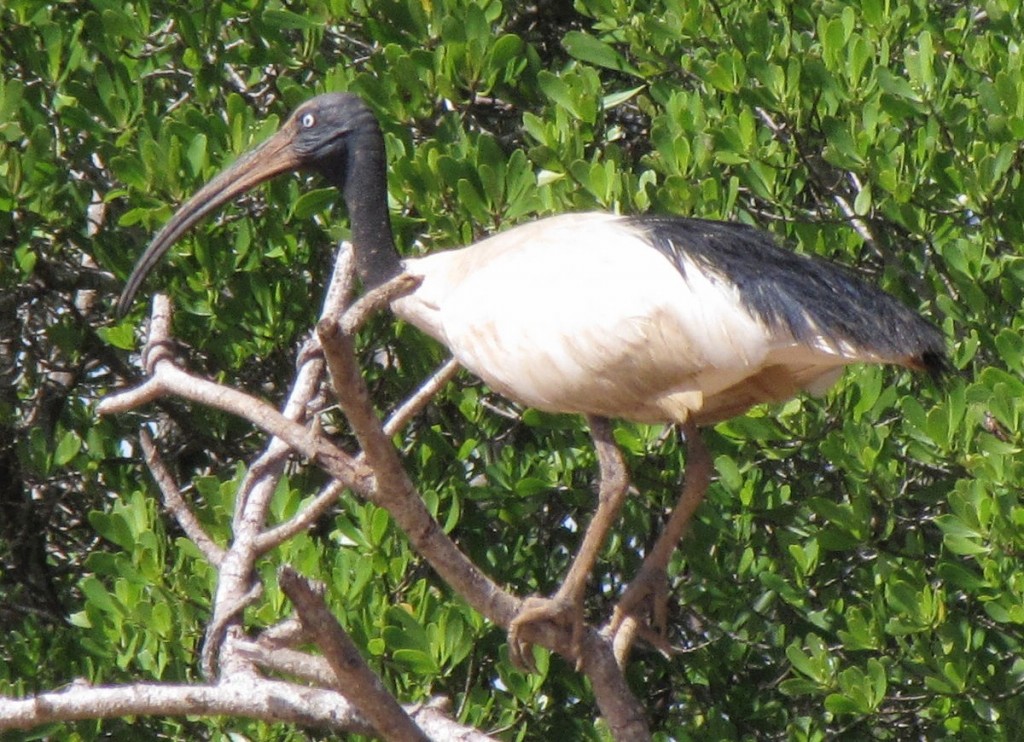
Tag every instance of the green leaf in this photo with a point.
(896, 86)
(964, 546)
(379, 523)
(612, 100)
(862, 204)
(839, 704)
(586, 48)
(313, 202)
(67, 448)
(196, 154)
(99, 597)
(113, 528)
(120, 336)
(417, 661)
(286, 19)
(802, 662)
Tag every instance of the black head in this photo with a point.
(319, 135)
(323, 130)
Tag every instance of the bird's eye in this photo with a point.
(308, 120)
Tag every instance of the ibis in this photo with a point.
(655, 319)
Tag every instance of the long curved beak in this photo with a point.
(274, 156)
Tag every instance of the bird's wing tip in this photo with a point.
(934, 362)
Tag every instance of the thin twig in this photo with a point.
(398, 419)
(411, 407)
(342, 283)
(286, 633)
(859, 224)
(169, 379)
(309, 668)
(302, 520)
(374, 300)
(175, 503)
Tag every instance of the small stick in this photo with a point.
(175, 503)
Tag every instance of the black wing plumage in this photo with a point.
(805, 295)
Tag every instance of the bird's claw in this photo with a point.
(648, 583)
(558, 610)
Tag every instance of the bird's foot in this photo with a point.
(564, 611)
(651, 582)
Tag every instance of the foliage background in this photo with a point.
(855, 571)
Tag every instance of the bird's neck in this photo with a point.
(365, 191)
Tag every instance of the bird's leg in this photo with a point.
(566, 605)
(652, 577)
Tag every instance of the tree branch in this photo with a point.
(176, 504)
(305, 518)
(244, 696)
(361, 686)
(394, 491)
(248, 696)
(374, 300)
(401, 415)
(619, 706)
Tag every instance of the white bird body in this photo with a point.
(531, 313)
